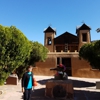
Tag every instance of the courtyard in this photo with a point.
(84, 89)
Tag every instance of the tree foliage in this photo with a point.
(38, 53)
(91, 53)
(17, 52)
(14, 49)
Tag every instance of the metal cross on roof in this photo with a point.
(50, 24)
(83, 22)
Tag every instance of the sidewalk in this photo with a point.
(11, 92)
(84, 89)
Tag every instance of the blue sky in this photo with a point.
(33, 16)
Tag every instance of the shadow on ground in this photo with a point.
(86, 95)
(39, 94)
(76, 83)
(80, 84)
(78, 94)
(43, 82)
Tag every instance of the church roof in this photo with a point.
(66, 38)
(49, 29)
(83, 27)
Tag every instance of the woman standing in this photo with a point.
(27, 83)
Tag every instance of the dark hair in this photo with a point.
(28, 67)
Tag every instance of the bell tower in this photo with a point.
(49, 35)
(83, 33)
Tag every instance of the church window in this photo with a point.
(84, 37)
(49, 41)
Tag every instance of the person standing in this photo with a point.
(27, 83)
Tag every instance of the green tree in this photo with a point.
(14, 49)
(38, 53)
(91, 53)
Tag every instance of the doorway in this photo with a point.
(67, 63)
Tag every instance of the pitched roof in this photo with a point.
(66, 38)
(83, 27)
(49, 29)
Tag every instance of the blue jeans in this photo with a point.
(27, 94)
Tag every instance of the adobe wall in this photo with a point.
(43, 68)
(52, 35)
(80, 37)
(80, 68)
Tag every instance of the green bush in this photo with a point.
(14, 49)
(91, 53)
(38, 53)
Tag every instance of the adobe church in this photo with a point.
(65, 49)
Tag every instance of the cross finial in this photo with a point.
(50, 25)
(83, 22)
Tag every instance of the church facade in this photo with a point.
(65, 49)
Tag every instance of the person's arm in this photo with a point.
(32, 81)
(22, 82)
